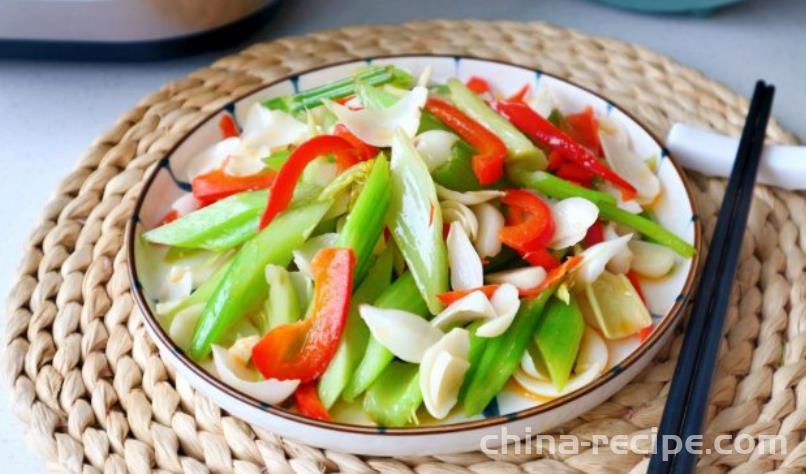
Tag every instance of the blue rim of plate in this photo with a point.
(495, 418)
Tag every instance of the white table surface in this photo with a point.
(50, 112)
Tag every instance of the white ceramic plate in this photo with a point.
(516, 413)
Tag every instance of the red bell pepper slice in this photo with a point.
(308, 403)
(554, 276)
(478, 85)
(283, 188)
(450, 297)
(583, 128)
(595, 235)
(531, 224)
(171, 216)
(302, 350)
(547, 135)
(215, 185)
(365, 150)
(488, 162)
(520, 95)
(227, 126)
(541, 257)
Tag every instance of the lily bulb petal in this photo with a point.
(377, 126)
(591, 363)
(405, 334)
(630, 206)
(435, 147)
(491, 221)
(230, 371)
(178, 285)
(596, 257)
(443, 370)
(529, 367)
(506, 303)
(453, 211)
(467, 272)
(214, 157)
(622, 158)
(183, 324)
(265, 128)
(620, 263)
(246, 163)
(652, 260)
(468, 198)
(572, 218)
(471, 307)
(524, 278)
(185, 204)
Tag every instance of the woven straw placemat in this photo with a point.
(95, 396)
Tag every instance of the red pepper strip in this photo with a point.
(633, 277)
(488, 162)
(644, 333)
(541, 257)
(302, 350)
(520, 96)
(594, 235)
(344, 100)
(554, 276)
(583, 128)
(308, 403)
(546, 134)
(215, 185)
(283, 188)
(575, 173)
(365, 150)
(531, 222)
(478, 85)
(227, 126)
(171, 216)
(450, 297)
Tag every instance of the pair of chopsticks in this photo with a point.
(687, 402)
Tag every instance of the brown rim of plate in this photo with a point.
(668, 320)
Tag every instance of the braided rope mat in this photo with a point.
(95, 396)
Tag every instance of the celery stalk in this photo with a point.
(558, 335)
(415, 221)
(244, 286)
(403, 295)
(354, 341)
(283, 306)
(220, 226)
(656, 232)
(558, 188)
(395, 396)
(519, 147)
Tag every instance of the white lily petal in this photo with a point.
(304, 255)
(425, 76)
(435, 147)
(622, 158)
(272, 128)
(572, 218)
(506, 303)
(241, 349)
(247, 162)
(185, 204)
(620, 262)
(405, 334)
(467, 272)
(453, 211)
(213, 157)
(470, 307)
(591, 363)
(270, 391)
(183, 325)
(542, 101)
(178, 284)
(491, 221)
(442, 372)
(651, 260)
(525, 278)
(377, 126)
(529, 367)
(630, 206)
(595, 258)
(468, 198)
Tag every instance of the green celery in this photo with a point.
(244, 286)
(503, 355)
(558, 188)
(557, 336)
(283, 306)
(276, 160)
(201, 294)
(393, 399)
(219, 226)
(519, 147)
(415, 221)
(366, 220)
(403, 295)
(311, 98)
(477, 346)
(457, 173)
(354, 341)
(646, 227)
(374, 97)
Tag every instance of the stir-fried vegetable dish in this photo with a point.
(409, 249)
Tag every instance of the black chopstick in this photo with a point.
(691, 384)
